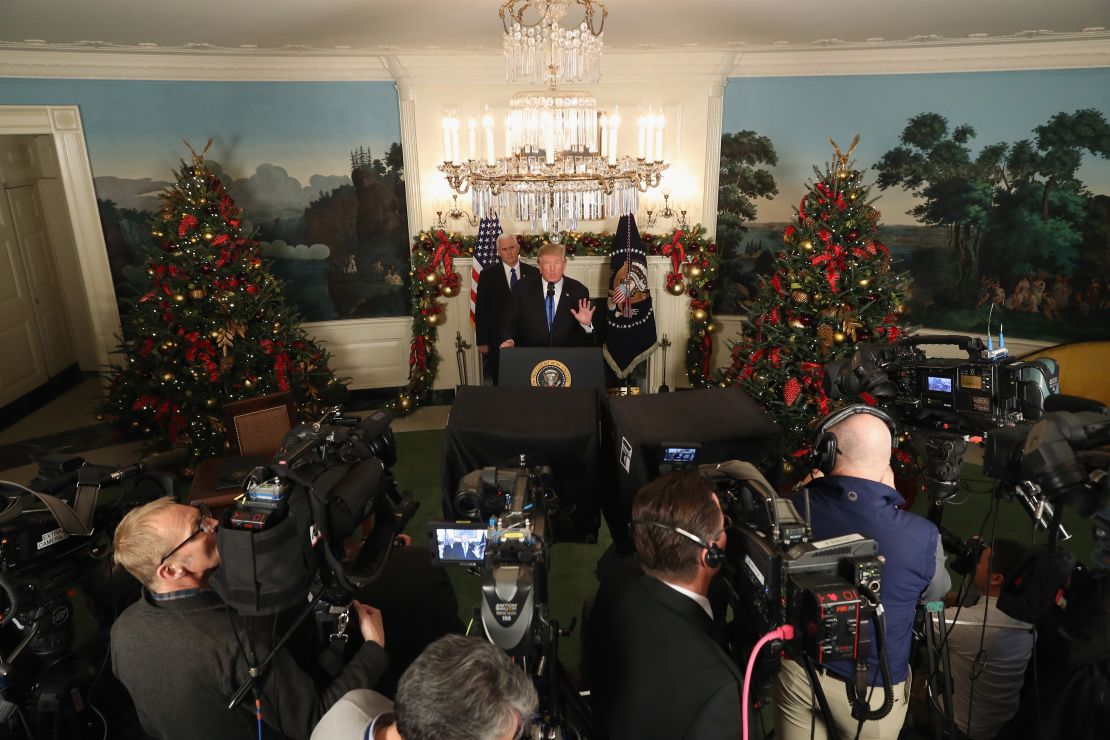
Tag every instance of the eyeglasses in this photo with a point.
(204, 524)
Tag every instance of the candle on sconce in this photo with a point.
(471, 139)
(487, 125)
(508, 135)
(660, 122)
(455, 140)
(641, 134)
(615, 124)
(604, 135)
(446, 123)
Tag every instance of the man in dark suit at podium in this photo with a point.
(549, 310)
(495, 286)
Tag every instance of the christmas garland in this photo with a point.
(695, 264)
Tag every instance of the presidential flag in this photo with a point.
(630, 320)
(485, 254)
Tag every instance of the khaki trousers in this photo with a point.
(796, 708)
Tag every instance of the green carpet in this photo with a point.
(571, 577)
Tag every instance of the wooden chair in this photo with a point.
(255, 429)
(256, 426)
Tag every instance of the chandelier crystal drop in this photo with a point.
(540, 50)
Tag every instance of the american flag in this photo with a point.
(485, 254)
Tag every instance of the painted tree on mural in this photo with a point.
(956, 188)
(742, 181)
(1016, 213)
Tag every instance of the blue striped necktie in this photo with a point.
(550, 305)
(512, 279)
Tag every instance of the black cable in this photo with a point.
(862, 711)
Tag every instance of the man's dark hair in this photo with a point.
(462, 688)
(676, 500)
(1006, 555)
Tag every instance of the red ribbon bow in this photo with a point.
(444, 252)
(675, 251)
(833, 260)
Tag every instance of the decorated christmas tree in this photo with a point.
(212, 327)
(832, 288)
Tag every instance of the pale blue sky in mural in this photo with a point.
(799, 113)
(134, 128)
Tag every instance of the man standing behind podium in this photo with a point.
(549, 310)
(496, 285)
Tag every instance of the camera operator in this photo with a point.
(460, 687)
(853, 446)
(987, 650)
(182, 653)
(653, 652)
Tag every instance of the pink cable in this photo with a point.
(785, 632)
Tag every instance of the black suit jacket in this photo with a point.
(526, 316)
(655, 666)
(489, 310)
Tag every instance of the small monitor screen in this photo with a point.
(459, 544)
(680, 455)
(939, 384)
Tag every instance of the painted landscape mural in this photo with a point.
(994, 189)
(317, 168)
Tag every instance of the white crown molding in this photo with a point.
(690, 64)
(1034, 53)
(200, 64)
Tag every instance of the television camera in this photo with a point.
(505, 534)
(286, 538)
(945, 399)
(985, 390)
(55, 535)
(827, 590)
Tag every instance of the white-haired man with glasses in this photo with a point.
(462, 688)
(182, 653)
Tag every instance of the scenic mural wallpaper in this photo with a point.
(994, 188)
(317, 168)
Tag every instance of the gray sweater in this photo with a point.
(182, 660)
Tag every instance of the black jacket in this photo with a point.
(526, 316)
(182, 661)
(656, 666)
(489, 311)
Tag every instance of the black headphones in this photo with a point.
(714, 556)
(824, 452)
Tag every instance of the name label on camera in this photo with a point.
(837, 541)
(51, 537)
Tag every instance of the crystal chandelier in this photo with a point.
(560, 162)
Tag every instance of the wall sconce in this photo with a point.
(667, 212)
(454, 214)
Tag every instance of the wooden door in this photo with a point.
(42, 278)
(22, 367)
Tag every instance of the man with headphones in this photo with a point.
(854, 493)
(653, 654)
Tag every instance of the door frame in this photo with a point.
(94, 333)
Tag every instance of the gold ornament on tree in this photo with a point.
(825, 339)
(676, 288)
(842, 171)
(799, 296)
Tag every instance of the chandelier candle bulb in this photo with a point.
(471, 140)
(615, 123)
(641, 133)
(455, 140)
(446, 139)
(659, 123)
(487, 125)
(604, 135)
